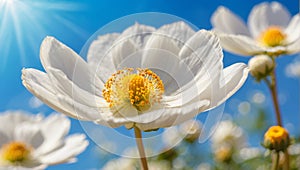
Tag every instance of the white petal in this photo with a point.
(294, 47)
(57, 55)
(161, 42)
(74, 145)
(203, 56)
(99, 56)
(203, 47)
(175, 116)
(54, 128)
(224, 21)
(267, 14)
(230, 81)
(156, 60)
(84, 111)
(100, 47)
(3, 137)
(9, 120)
(29, 133)
(121, 51)
(39, 84)
(293, 29)
(137, 33)
(241, 45)
(65, 86)
(180, 32)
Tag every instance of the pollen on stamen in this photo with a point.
(273, 36)
(139, 87)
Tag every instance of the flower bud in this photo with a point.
(190, 130)
(260, 66)
(276, 138)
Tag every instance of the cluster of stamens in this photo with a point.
(273, 36)
(138, 87)
(15, 152)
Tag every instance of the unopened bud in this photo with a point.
(260, 66)
(276, 138)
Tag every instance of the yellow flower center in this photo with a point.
(15, 152)
(273, 36)
(140, 88)
(276, 134)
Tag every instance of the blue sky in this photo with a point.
(74, 21)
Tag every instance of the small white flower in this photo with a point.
(250, 153)
(271, 30)
(121, 163)
(190, 130)
(124, 81)
(34, 142)
(261, 66)
(227, 133)
(294, 149)
(133, 164)
(159, 165)
(171, 136)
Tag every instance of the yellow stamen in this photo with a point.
(15, 152)
(273, 36)
(140, 88)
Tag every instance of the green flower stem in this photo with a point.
(286, 160)
(275, 165)
(273, 90)
(139, 142)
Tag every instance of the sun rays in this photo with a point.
(23, 23)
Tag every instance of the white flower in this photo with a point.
(132, 164)
(294, 149)
(190, 130)
(159, 165)
(250, 153)
(171, 137)
(147, 77)
(270, 30)
(34, 142)
(227, 133)
(121, 163)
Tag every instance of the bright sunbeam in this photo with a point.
(23, 23)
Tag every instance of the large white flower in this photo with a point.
(271, 30)
(34, 142)
(147, 77)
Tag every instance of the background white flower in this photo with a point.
(226, 140)
(228, 133)
(133, 164)
(123, 163)
(84, 91)
(31, 141)
(270, 30)
(293, 69)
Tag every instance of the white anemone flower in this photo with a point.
(271, 30)
(33, 142)
(143, 77)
